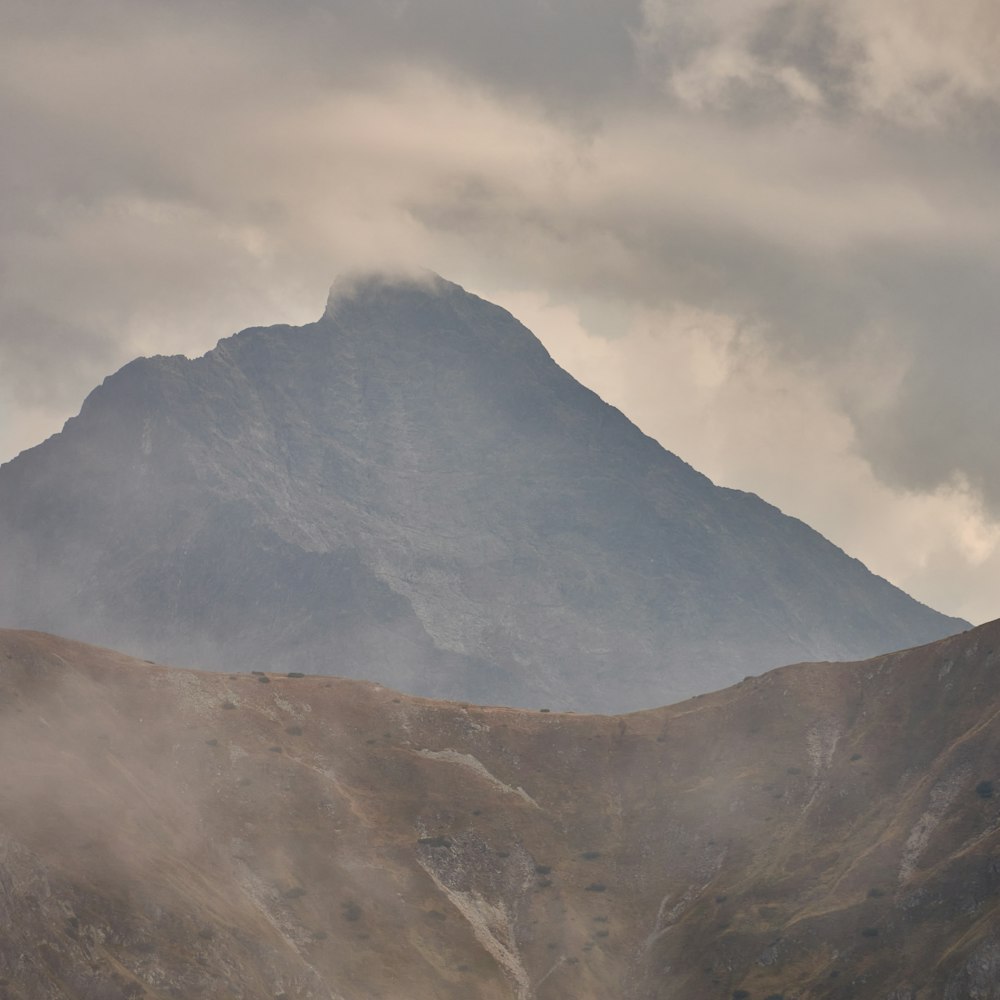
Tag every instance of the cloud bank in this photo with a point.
(768, 231)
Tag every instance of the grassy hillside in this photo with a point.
(823, 831)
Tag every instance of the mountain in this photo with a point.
(825, 831)
(411, 490)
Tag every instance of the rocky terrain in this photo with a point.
(410, 490)
(823, 831)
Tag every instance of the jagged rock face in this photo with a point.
(411, 490)
(826, 831)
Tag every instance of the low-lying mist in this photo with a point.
(824, 830)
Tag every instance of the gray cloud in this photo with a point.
(819, 174)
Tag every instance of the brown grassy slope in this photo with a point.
(815, 832)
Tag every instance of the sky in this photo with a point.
(768, 232)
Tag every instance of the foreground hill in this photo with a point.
(411, 486)
(824, 831)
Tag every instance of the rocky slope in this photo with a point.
(824, 831)
(411, 490)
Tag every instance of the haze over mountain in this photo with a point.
(411, 490)
(826, 831)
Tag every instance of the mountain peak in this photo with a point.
(411, 489)
(368, 285)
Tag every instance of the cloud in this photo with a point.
(817, 176)
(713, 388)
(922, 59)
(911, 62)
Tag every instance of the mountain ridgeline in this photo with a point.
(823, 832)
(411, 490)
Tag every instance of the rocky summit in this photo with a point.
(411, 490)
(823, 832)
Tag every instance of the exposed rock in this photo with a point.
(979, 976)
(411, 490)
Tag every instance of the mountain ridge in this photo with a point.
(412, 482)
(824, 831)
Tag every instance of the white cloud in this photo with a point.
(923, 57)
(914, 61)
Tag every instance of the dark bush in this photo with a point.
(228, 704)
(296, 892)
(352, 911)
(741, 994)
(875, 892)
(596, 887)
(264, 680)
(985, 789)
(590, 855)
(869, 932)
(293, 730)
(295, 673)
(543, 869)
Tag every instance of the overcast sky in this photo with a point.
(768, 232)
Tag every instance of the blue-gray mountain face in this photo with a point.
(411, 490)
